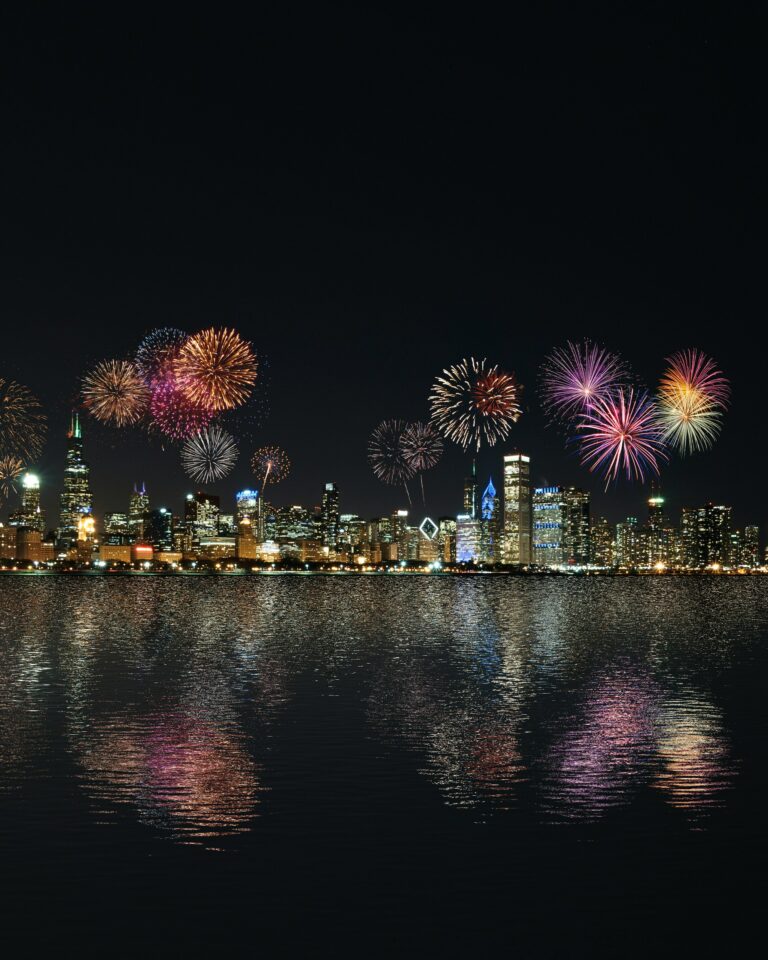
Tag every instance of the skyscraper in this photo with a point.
(201, 516)
(471, 505)
(518, 530)
(29, 514)
(491, 525)
(576, 527)
(76, 498)
(548, 526)
(138, 508)
(750, 549)
(329, 518)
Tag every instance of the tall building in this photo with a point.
(657, 538)
(247, 507)
(76, 498)
(576, 527)
(29, 514)
(138, 508)
(201, 516)
(517, 538)
(602, 538)
(490, 525)
(750, 549)
(707, 536)
(471, 505)
(627, 549)
(158, 530)
(329, 522)
(548, 526)
(468, 539)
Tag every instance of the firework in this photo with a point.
(115, 393)
(158, 350)
(11, 469)
(575, 375)
(422, 446)
(386, 452)
(172, 414)
(622, 433)
(209, 455)
(23, 425)
(271, 464)
(216, 369)
(689, 423)
(473, 403)
(693, 375)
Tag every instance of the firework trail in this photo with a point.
(11, 469)
(209, 455)
(422, 449)
(271, 464)
(157, 352)
(693, 395)
(23, 425)
(575, 375)
(622, 434)
(216, 369)
(473, 403)
(386, 454)
(115, 393)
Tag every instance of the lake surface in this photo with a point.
(384, 763)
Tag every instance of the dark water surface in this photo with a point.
(391, 763)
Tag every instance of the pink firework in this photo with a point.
(576, 375)
(621, 433)
(173, 414)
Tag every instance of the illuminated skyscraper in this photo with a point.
(138, 508)
(247, 507)
(548, 525)
(201, 516)
(76, 498)
(491, 525)
(602, 538)
(576, 527)
(750, 549)
(29, 514)
(517, 539)
(471, 505)
(159, 530)
(707, 536)
(329, 519)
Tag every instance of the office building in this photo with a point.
(548, 526)
(329, 516)
(138, 508)
(517, 537)
(76, 498)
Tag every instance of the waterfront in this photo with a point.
(543, 762)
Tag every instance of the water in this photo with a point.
(382, 763)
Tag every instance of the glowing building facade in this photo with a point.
(517, 538)
(76, 498)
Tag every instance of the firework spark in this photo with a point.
(692, 373)
(209, 455)
(172, 414)
(622, 433)
(216, 368)
(575, 375)
(115, 393)
(473, 403)
(11, 469)
(23, 425)
(157, 351)
(422, 446)
(271, 464)
(386, 452)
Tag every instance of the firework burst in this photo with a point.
(693, 395)
(622, 433)
(575, 375)
(172, 414)
(115, 393)
(157, 352)
(473, 403)
(23, 425)
(271, 464)
(11, 469)
(209, 455)
(386, 452)
(422, 446)
(216, 369)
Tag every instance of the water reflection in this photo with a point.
(188, 776)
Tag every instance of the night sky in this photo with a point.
(369, 198)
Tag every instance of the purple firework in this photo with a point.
(577, 375)
(622, 433)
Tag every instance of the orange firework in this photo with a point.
(115, 393)
(11, 469)
(216, 369)
(23, 425)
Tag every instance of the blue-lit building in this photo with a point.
(548, 526)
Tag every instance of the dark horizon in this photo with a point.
(369, 201)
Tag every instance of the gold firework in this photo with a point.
(115, 393)
(216, 368)
(23, 425)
